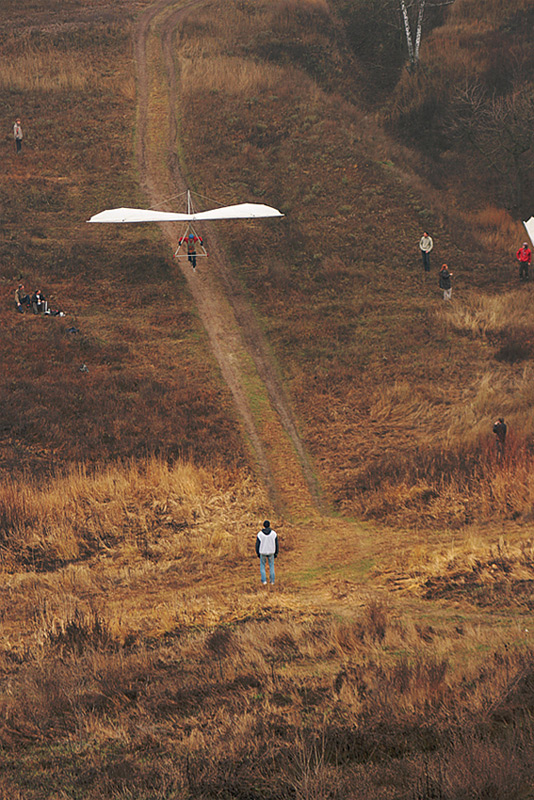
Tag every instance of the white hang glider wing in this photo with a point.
(241, 211)
(529, 226)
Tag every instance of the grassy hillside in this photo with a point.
(471, 104)
(397, 392)
(139, 656)
(151, 385)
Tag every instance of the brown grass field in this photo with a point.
(140, 657)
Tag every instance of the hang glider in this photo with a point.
(529, 226)
(240, 211)
(194, 244)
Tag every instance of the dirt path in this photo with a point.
(235, 336)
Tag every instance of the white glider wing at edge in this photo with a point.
(241, 211)
(137, 215)
(529, 226)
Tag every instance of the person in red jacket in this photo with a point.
(191, 241)
(524, 256)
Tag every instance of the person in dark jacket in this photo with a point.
(445, 282)
(267, 550)
(38, 302)
(500, 429)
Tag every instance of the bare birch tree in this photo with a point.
(417, 9)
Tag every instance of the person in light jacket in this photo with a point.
(426, 244)
(22, 298)
(267, 550)
(17, 135)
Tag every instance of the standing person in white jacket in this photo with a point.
(17, 135)
(426, 244)
(267, 550)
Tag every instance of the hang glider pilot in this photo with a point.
(191, 242)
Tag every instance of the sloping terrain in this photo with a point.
(152, 385)
(235, 336)
(394, 390)
(307, 365)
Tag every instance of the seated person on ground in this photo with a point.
(21, 298)
(38, 302)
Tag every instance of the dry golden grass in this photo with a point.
(24, 67)
(152, 664)
(320, 5)
(451, 487)
(85, 513)
(466, 565)
(496, 229)
(494, 10)
(244, 17)
(317, 709)
(232, 75)
(486, 314)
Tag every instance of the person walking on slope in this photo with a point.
(499, 429)
(426, 244)
(524, 256)
(267, 550)
(445, 282)
(17, 134)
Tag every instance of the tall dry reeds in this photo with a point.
(494, 10)
(320, 710)
(496, 229)
(486, 315)
(27, 67)
(229, 74)
(167, 510)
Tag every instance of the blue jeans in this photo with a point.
(271, 568)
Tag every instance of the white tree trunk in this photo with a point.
(419, 30)
(414, 46)
(407, 31)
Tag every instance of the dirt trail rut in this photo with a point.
(235, 336)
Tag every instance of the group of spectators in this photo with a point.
(426, 244)
(524, 256)
(35, 302)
